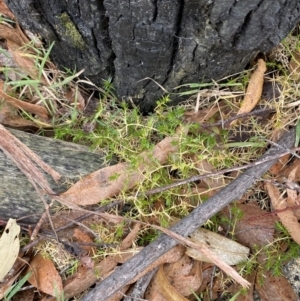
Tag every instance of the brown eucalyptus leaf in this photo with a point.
(254, 89)
(45, 276)
(254, 228)
(111, 180)
(287, 217)
(275, 288)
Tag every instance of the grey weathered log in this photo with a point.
(18, 197)
(233, 191)
(174, 42)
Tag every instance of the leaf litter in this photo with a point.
(178, 274)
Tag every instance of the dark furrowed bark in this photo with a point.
(79, 30)
(173, 42)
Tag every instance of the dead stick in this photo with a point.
(264, 159)
(187, 225)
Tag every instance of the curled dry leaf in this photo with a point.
(9, 247)
(228, 250)
(208, 253)
(287, 216)
(254, 89)
(184, 274)
(25, 61)
(9, 118)
(44, 276)
(161, 289)
(19, 104)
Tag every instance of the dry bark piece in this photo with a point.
(26, 160)
(18, 199)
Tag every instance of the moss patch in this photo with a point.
(70, 31)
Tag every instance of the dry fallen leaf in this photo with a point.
(26, 106)
(160, 289)
(275, 288)
(185, 275)
(111, 180)
(208, 253)
(228, 250)
(287, 217)
(10, 118)
(82, 237)
(293, 199)
(25, 61)
(9, 33)
(4, 10)
(254, 89)
(85, 278)
(294, 65)
(9, 247)
(279, 165)
(255, 228)
(45, 277)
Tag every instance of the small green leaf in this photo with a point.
(297, 139)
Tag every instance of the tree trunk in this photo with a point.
(173, 42)
(18, 198)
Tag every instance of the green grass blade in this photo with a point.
(16, 287)
(297, 139)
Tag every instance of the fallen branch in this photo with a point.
(18, 197)
(234, 191)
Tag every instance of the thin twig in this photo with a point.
(220, 172)
(240, 116)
